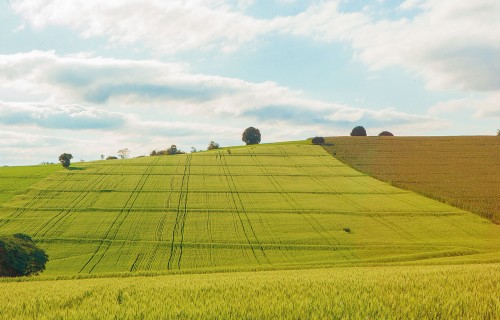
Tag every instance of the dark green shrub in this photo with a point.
(19, 256)
(318, 140)
(358, 131)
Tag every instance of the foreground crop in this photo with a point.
(423, 292)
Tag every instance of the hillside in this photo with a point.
(461, 171)
(260, 207)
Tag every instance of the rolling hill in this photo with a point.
(461, 171)
(249, 208)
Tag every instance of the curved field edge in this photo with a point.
(461, 171)
(410, 292)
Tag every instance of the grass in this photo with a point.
(260, 207)
(461, 171)
(416, 292)
(268, 231)
(16, 180)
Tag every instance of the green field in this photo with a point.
(265, 207)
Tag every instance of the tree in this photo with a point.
(124, 153)
(19, 256)
(358, 131)
(111, 158)
(65, 159)
(172, 149)
(318, 140)
(213, 145)
(385, 134)
(251, 135)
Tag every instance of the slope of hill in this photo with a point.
(16, 180)
(461, 171)
(258, 207)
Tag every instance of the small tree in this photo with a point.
(19, 256)
(65, 159)
(318, 140)
(358, 131)
(213, 145)
(385, 134)
(124, 153)
(251, 135)
(172, 149)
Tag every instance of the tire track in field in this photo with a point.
(231, 204)
(109, 237)
(313, 223)
(57, 219)
(160, 227)
(380, 219)
(185, 210)
(209, 220)
(180, 217)
(279, 190)
(230, 181)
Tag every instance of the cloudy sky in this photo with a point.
(90, 77)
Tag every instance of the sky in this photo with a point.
(91, 77)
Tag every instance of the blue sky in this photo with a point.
(91, 77)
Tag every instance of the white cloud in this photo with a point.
(489, 107)
(59, 116)
(484, 107)
(145, 105)
(451, 44)
(167, 26)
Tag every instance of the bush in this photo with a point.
(318, 140)
(251, 135)
(111, 158)
(358, 131)
(19, 256)
(385, 134)
(213, 145)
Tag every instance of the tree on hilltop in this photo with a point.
(318, 140)
(124, 153)
(251, 135)
(213, 145)
(358, 131)
(385, 134)
(65, 159)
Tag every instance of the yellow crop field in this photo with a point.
(461, 171)
(389, 292)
